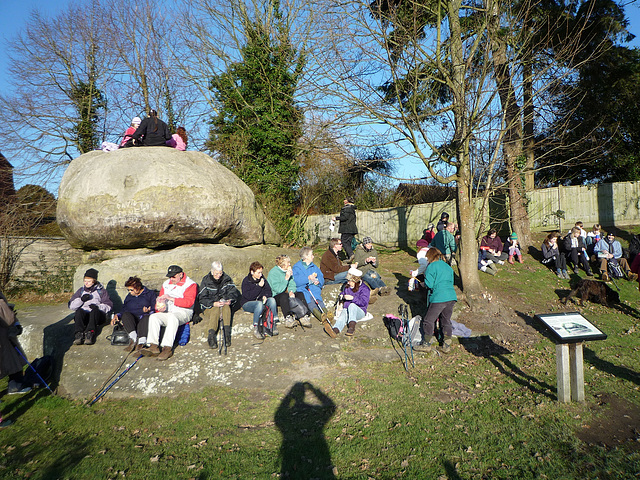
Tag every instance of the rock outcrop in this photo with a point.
(157, 197)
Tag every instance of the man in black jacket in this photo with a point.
(348, 228)
(218, 297)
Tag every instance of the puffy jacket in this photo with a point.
(301, 272)
(212, 290)
(99, 297)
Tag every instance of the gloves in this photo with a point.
(93, 306)
(196, 319)
(86, 297)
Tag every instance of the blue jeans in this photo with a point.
(256, 307)
(352, 313)
(373, 279)
(339, 278)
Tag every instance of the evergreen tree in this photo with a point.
(258, 126)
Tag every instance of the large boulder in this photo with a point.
(157, 197)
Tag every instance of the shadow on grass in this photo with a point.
(610, 368)
(450, 468)
(301, 418)
(15, 405)
(484, 346)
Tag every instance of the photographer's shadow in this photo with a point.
(301, 418)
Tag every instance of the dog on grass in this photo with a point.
(594, 291)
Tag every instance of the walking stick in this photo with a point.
(101, 394)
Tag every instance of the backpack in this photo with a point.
(394, 326)
(614, 268)
(44, 366)
(265, 324)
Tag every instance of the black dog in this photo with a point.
(594, 291)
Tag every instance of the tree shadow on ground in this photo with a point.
(610, 368)
(301, 418)
(484, 346)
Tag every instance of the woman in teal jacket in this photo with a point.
(441, 298)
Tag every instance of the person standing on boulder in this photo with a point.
(174, 307)
(348, 228)
(152, 132)
(91, 304)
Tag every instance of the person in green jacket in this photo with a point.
(441, 298)
(445, 241)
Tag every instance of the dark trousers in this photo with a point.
(88, 321)
(578, 257)
(559, 262)
(282, 300)
(442, 310)
(134, 324)
(346, 239)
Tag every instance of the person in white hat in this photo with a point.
(135, 123)
(356, 300)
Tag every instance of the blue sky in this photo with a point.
(16, 12)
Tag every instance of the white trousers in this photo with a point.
(171, 321)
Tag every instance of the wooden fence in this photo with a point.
(556, 208)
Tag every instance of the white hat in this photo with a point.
(136, 121)
(355, 272)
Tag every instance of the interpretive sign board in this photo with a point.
(570, 327)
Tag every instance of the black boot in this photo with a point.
(227, 334)
(212, 338)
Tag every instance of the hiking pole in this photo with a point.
(223, 340)
(314, 298)
(34, 370)
(101, 394)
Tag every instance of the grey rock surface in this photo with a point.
(157, 197)
(195, 260)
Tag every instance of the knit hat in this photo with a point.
(430, 226)
(514, 236)
(366, 240)
(444, 215)
(136, 121)
(91, 273)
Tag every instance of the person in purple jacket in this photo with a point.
(91, 303)
(256, 293)
(356, 300)
(139, 303)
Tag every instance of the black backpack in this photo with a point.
(44, 366)
(394, 326)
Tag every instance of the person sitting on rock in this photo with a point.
(152, 132)
(91, 303)
(366, 260)
(289, 299)
(309, 280)
(135, 123)
(174, 307)
(256, 294)
(138, 305)
(219, 299)
(609, 250)
(179, 139)
(495, 246)
(331, 266)
(355, 296)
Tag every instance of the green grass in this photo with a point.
(462, 416)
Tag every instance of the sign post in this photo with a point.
(570, 330)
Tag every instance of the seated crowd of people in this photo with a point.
(294, 289)
(579, 248)
(150, 132)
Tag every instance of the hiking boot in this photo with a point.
(131, 347)
(78, 339)
(6, 423)
(139, 347)
(275, 332)
(165, 354)
(384, 291)
(373, 297)
(90, 338)
(560, 274)
(15, 388)
(289, 321)
(212, 339)
(446, 346)
(576, 270)
(305, 321)
(632, 276)
(331, 316)
(425, 346)
(332, 332)
(151, 351)
(257, 333)
(566, 275)
(324, 318)
(605, 277)
(226, 330)
(351, 330)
